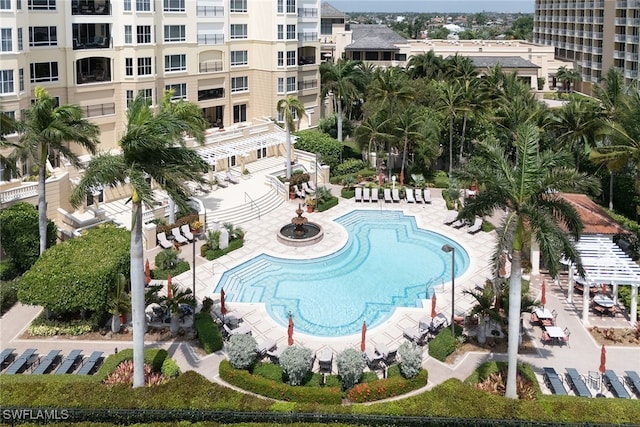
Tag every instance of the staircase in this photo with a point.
(247, 211)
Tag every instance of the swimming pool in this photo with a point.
(387, 262)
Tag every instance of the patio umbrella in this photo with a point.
(604, 289)
(223, 308)
(147, 273)
(433, 306)
(401, 178)
(380, 179)
(503, 265)
(290, 330)
(603, 360)
(169, 291)
(363, 344)
(543, 297)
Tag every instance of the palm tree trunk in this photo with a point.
(450, 145)
(611, 190)
(42, 198)
(515, 303)
(339, 119)
(404, 156)
(464, 127)
(288, 143)
(137, 293)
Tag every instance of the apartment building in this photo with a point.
(234, 58)
(595, 34)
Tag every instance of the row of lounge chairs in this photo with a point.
(308, 187)
(180, 235)
(366, 194)
(37, 364)
(224, 180)
(422, 335)
(452, 220)
(578, 383)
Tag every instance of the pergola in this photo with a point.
(605, 263)
(211, 153)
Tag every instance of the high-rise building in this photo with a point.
(595, 34)
(234, 58)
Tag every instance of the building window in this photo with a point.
(43, 36)
(239, 57)
(6, 81)
(144, 66)
(261, 152)
(280, 58)
(41, 5)
(280, 32)
(280, 118)
(6, 43)
(128, 34)
(147, 94)
(144, 34)
(280, 86)
(291, 6)
(240, 113)
(21, 79)
(280, 6)
(291, 84)
(44, 72)
(174, 6)
(143, 5)
(239, 31)
(239, 84)
(127, 6)
(175, 63)
(20, 44)
(174, 33)
(291, 32)
(179, 91)
(291, 57)
(128, 66)
(5, 4)
(238, 6)
(129, 97)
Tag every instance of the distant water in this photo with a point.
(431, 6)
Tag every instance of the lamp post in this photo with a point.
(317, 172)
(193, 285)
(448, 248)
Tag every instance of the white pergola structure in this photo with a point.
(605, 263)
(212, 153)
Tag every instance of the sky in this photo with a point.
(465, 6)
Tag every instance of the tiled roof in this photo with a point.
(594, 218)
(374, 37)
(328, 11)
(504, 61)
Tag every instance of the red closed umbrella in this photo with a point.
(401, 178)
(543, 297)
(290, 330)
(363, 344)
(433, 306)
(169, 291)
(223, 308)
(604, 289)
(380, 179)
(147, 273)
(603, 360)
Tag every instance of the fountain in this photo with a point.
(300, 232)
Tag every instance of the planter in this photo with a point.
(310, 208)
(115, 324)
(123, 319)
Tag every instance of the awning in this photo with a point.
(605, 262)
(213, 152)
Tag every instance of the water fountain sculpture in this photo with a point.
(300, 232)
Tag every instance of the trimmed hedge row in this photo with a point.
(277, 390)
(212, 254)
(389, 387)
(208, 333)
(327, 204)
(152, 357)
(43, 327)
(444, 344)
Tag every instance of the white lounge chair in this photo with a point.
(366, 194)
(312, 185)
(222, 181)
(459, 223)
(373, 359)
(451, 217)
(240, 330)
(374, 195)
(265, 346)
(410, 197)
(275, 354)
(427, 195)
(395, 195)
(299, 192)
(163, 241)
(477, 226)
(358, 194)
(387, 195)
(419, 198)
(307, 189)
(177, 236)
(232, 179)
(186, 232)
(325, 361)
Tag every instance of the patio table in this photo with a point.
(556, 333)
(603, 301)
(543, 313)
(425, 322)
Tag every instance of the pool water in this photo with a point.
(387, 262)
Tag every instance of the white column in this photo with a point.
(172, 211)
(571, 284)
(633, 315)
(535, 256)
(585, 304)
(615, 292)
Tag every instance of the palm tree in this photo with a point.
(409, 126)
(473, 102)
(567, 77)
(174, 303)
(152, 146)
(340, 79)
(291, 109)
(373, 132)
(427, 65)
(449, 103)
(527, 191)
(576, 124)
(46, 127)
(390, 90)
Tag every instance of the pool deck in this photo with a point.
(261, 238)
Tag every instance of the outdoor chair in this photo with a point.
(614, 385)
(395, 195)
(553, 382)
(300, 193)
(576, 382)
(240, 330)
(22, 362)
(565, 340)
(451, 217)
(633, 381)
(546, 338)
(410, 196)
(90, 364)
(274, 354)
(222, 181)
(373, 359)
(459, 223)
(265, 346)
(612, 311)
(391, 357)
(358, 195)
(69, 362)
(175, 232)
(594, 379)
(415, 336)
(186, 232)
(307, 189)
(387, 195)
(232, 179)
(325, 361)
(374, 195)
(6, 357)
(163, 241)
(47, 363)
(534, 320)
(427, 195)
(477, 226)
(418, 195)
(366, 194)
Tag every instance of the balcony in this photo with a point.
(211, 66)
(307, 12)
(93, 70)
(91, 36)
(97, 110)
(90, 7)
(308, 36)
(210, 39)
(307, 84)
(207, 94)
(210, 11)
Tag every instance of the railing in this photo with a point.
(18, 193)
(99, 109)
(203, 11)
(210, 39)
(211, 66)
(252, 204)
(308, 84)
(307, 37)
(309, 12)
(88, 9)
(275, 183)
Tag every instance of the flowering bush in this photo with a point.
(296, 361)
(241, 350)
(123, 374)
(350, 366)
(411, 359)
(389, 387)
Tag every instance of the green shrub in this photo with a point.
(296, 361)
(170, 368)
(212, 254)
(349, 166)
(270, 371)
(487, 226)
(350, 366)
(441, 179)
(8, 295)
(328, 204)
(179, 268)
(8, 270)
(368, 377)
(241, 350)
(443, 344)
(385, 388)
(348, 193)
(154, 357)
(329, 125)
(411, 359)
(43, 327)
(208, 333)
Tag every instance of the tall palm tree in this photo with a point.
(340, 79)
(527, 191)
(373, 132)
(567, 77)
(427, 65)
(459, 67)
(390, 90)
(449, 104)
(575, 125)
(473, 102)
(153, 145)
(47, 127)
(409, 126)
(292, 110)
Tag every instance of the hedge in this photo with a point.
(444, 344)
(208, 333)
(212, 254)
(154, 357)
(43, 327)
(8, 295)
(385, 388)
(180, 268)
(348, 192)
(328, 204)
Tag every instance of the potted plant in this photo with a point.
(119, 303)
(196, 227)
(174, 303)
(311, 203)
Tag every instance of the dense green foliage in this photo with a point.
(296, 362)
(212, 254)
(349, 166)
(315, 141)
(350, 364)
(153, 357)
(384, 388)
(8, 295)
(443, 344)
(20, 235)
(241, 351)
(329, 125)
(410, 359)
(43, 327)
(208, 333)
(65, 279)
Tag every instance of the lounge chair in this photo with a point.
(395, 195)
(366, 194)
(459, 223)
(633, 381)
(46, 363)
(265, 346)
(451, 217)
(275, 354)
(307, 189)
(427, 195)
(358, 194)
(69, 362)
(387, 195)
(91, 363)
(186, 232)
(232, 179)
(576, 382)
(419, 198)
(374, 195)
(6, 357)
(553, 381)
(613, 384)
(390, 358)
(373, 359)
(240, 330)
(414, 335)
(477, 226)
(325, 361)
(177, 236)
(22, 362)
(312, 186)
(163, 241)
(410, 197)
(222, 181)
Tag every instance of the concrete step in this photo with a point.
(247, 211)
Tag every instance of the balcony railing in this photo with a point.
(307, 84)
(97, 110)
(307, 12)
(90, 8)
(210, 39)
(306, 60)
(97, 42)
(210, 11)
(308, 37)
(211, 66)
(18, 193)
